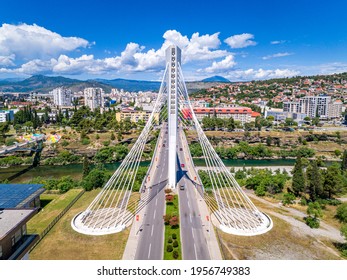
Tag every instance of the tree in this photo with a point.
(341, 213)
(344, 160)
(332, 180)
(4, 128)
(298, 181)
(95, 179)
(86, 167)
(314, 186)
(230, 124)
(314, 211)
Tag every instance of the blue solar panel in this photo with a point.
(13, 194)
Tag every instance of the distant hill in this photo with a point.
(45, 84)
(131, 85)
(216, 79)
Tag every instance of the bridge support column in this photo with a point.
(173, 58)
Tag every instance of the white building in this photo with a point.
(62, 96)
(315, 106)
(94, 98)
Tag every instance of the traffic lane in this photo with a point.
(189, 199)
(151, 239)
(186, 227)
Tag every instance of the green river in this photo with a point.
(75, 170)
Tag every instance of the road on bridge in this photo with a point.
(194, 245)
(151, 231)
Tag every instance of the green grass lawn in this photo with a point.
(53, 205)
(63, 243)
(172, 209)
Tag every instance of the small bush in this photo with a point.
(106, 143)
(174, 236)
(97, 137)
(288, 198)
(167, 191)
(169, 240)
(312, 222)
(169, 248)
(175, 254)
(175, 244)
(303, 201)
(341, 213)
(85, 141)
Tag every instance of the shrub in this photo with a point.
(167, 219)
(341, 213)
(174, 236)
(85, 141)
(175, 254)
(97, 137)
(169, 248)
(288, 198)
(175, 244)
(64, 143)
(312, 222)
(169, 240)
(106, 143)
(174, 222)
(260, 191)
(167, 191)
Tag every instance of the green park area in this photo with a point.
(172, 242)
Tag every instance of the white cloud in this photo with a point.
(7, 60)
(260, 74)
(277, 42)
(226, 64)
(276, 55)
(33, 42)
(240, 41)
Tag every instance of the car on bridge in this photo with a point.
(182, 188)
(182, 164)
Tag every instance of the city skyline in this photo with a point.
(116, 40)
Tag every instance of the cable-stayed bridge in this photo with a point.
(226, 204)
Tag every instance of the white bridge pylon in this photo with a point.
(233, 211)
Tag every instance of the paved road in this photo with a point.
(151, 231)
(194, 244)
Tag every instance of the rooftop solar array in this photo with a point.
(11, 195)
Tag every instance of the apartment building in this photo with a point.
(94, 98)
(62, 96)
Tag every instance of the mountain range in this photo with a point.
(44, 84)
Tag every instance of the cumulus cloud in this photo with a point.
(276, 55)
(277, 42)
(240, 41)
(226, 64)
(260, 74)
(33, 42)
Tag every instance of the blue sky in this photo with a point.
(241, 40)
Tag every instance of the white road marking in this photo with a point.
(155, 211)
(149, 251)
(156, 202)
(190, 218)
(152, 230)
(192, 232)
(196, 255)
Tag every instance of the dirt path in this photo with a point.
(325, 230)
